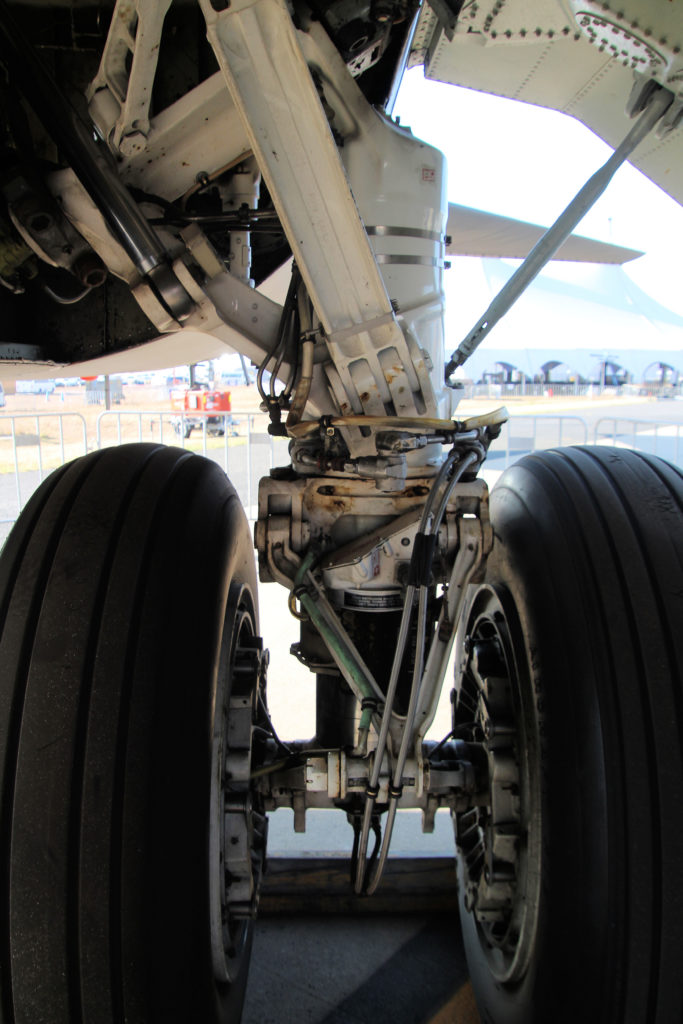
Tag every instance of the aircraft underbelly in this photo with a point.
(577, 58)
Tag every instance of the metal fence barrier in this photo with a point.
(525, 434)
(562, 389)
(238, 442)
(33, 444)
(663, 439)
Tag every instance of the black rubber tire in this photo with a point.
(118, 594)
(588, 566)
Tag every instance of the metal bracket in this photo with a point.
(119, 98)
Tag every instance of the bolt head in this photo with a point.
(132, 144)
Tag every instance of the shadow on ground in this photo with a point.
(359, 970)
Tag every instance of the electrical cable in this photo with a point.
(442, 743)
(273, 733)
(63, 300)
(16, 289)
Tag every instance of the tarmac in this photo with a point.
(342, 968)
(322, 969)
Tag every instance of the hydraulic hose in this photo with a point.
(415, 691)
(340, 646)
(419, 424)
(373, 789)
(451, 472)
(303, 388)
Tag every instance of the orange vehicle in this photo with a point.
(201, 404)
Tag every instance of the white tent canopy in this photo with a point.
(579, 316)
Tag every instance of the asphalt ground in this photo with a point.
(386, 969)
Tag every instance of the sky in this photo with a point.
(527, 162)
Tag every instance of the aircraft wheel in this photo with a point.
(569, 669)
(131, 843)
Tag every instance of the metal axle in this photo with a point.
(447, 775)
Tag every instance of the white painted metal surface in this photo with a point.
(270, 83)
(121, 92)
(576, 56)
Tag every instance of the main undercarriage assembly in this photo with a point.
(160, 162)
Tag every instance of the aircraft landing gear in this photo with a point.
(132, 844)
(569, 668)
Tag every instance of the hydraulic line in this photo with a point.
(350, 662)
(277, 352)
(416, 424)
(415, 693)
(449, 474)
(303, 387)
(419, 424)
(478, 452)
(373, 785)
(342, 648)
(92, 164)
(290, 339)
(395, 787)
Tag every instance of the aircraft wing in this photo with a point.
(478, 233)
(568, 55)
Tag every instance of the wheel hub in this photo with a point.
(239, 827)
(497, 872)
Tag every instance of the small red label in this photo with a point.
(429, 174)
